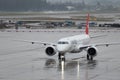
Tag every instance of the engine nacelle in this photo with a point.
(92, 51)
(50, 50)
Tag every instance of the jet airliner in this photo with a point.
(73, 44)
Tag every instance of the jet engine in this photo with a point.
(50, 50)
(92, 51)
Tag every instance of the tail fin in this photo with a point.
(87, 25)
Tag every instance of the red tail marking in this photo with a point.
(87, 25)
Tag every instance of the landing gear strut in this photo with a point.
(61, 56)
(89, 57)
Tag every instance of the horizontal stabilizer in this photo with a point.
(98, 36)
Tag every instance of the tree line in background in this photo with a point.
(22, 5)
(44, 5)
(35, 5)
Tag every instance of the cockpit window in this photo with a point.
(63, 42)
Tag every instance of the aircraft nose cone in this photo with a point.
(62, 48)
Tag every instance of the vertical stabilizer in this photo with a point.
(87, 25)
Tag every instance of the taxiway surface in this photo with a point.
(24, 61)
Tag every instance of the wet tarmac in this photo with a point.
(25, 61)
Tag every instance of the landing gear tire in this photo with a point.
(89, 57)
(61, 57)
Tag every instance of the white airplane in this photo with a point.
(73, 44)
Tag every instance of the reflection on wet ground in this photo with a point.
(65, 66)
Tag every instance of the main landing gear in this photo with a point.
(89, 57)
(61, 57)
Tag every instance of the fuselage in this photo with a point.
(72, 44)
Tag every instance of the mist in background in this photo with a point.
(60, 5)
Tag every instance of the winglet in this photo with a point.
(87, 25)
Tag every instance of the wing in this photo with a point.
(37, 42)
(97, 36)
(107, 44)
(101, 44)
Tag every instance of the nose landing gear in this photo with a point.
(89, 57)
(61, 57)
